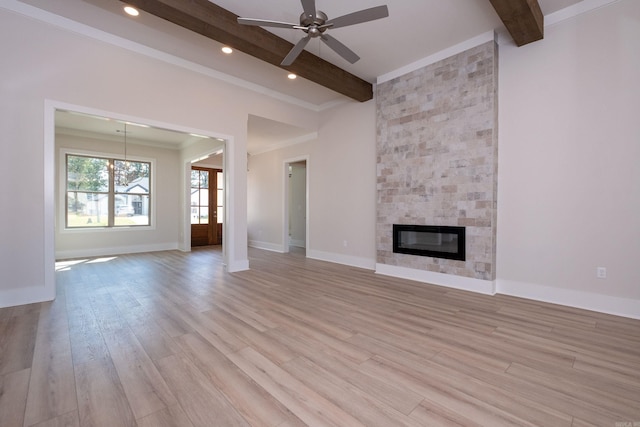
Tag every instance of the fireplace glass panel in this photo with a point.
(440, 242)
(427, 240)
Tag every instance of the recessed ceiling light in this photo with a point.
(131, 10)
(227, 50)
(291, 76)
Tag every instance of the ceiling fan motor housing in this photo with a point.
(312, 23)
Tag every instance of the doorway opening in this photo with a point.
(206, 205)
(101, 132)
(296, 223)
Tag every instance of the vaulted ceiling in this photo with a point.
(415, 29)
(522, 18)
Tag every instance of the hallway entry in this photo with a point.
(297, 204)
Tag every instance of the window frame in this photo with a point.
(200, 205)
(62, 197)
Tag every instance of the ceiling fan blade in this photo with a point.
(265, 23)
(359, 17)
(297, 49)
(340, 48)
(309, 7)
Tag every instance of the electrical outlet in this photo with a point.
(345, 243)
(601, 272)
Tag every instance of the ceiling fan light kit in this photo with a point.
(314, 23)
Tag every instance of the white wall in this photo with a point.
(265, 193)
(569, 147)
(44, 65)
(343, 187)
(342, 192)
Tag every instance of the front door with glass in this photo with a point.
(206, 210)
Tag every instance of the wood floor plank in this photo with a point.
(172, 416)
(13, 395)
(243, 312)
(380, 347)
(70, 419)
(577, 422)
(221, 338)
(572, 343)
(17, 341)
(330, 343)
(163, 312)
(605, 380)
(301, 400)
(455, 392)
(203, 403)
(100, 396)
(361, 404)
(432, 415)
(495, 346)
(621, 374)
(52, 389)
(446, 321)
(156, 342)
(396, 397)
(256, 405)
(143, 385)
(543, 395)
(578, 389)
(251, 336)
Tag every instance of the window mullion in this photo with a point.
(112, 198)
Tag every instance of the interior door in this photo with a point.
(205, 228)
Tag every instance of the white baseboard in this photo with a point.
(617, 306)
(118, 250)
(267, 246)
(350, 260)
(486, 287)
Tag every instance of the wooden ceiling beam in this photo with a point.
(523, 19)
(216, 23)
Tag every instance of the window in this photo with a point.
(106, 192)
(199, 196)
(220, 196)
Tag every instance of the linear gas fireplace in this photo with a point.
(430, 240)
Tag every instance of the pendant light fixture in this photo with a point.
(125, 166)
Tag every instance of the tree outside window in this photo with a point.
(104, 192)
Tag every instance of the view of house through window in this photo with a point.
(107, 192)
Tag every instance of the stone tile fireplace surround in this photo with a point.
(437, 157)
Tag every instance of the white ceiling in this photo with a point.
(415, 29)
(109, 129)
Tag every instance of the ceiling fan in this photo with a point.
(315, 23)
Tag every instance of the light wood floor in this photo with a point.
(168, 338)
